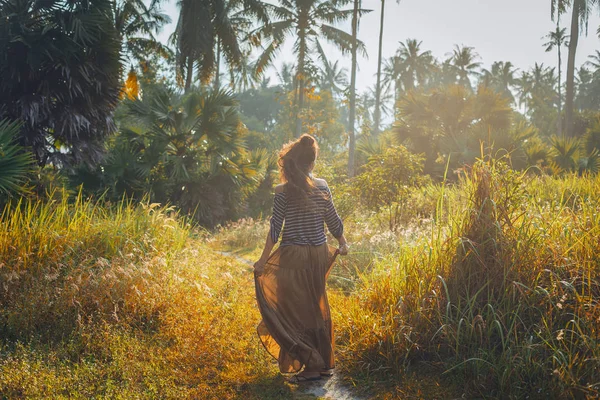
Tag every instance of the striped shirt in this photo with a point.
(305, 226)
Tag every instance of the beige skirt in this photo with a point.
(296, 325)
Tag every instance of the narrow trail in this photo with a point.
(327, 388)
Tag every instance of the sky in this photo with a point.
(508, 30)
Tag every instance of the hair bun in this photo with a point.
(307, 140)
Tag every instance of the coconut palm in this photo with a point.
(309, 22)
(207, 31)
(414, 65)
(501, 78)
(557, 39)
(378, 86)
(286, 76)
(391, 68)
(588, 89)
(137, 24)
(464, 60)
(352, 89)
(580, 14)
(594, 61)
(242, 16)
(333, 77)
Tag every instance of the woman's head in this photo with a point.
(296, 161)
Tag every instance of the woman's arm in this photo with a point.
(343, 245)
(335, 224)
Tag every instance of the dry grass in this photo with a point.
(494, 295)
(124, 305)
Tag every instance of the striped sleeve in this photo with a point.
(332, 219)
(279, 209)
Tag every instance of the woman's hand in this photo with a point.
(259, 266)
(343, 249)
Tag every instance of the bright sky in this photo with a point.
(508, 30)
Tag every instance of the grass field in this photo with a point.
(494, 295)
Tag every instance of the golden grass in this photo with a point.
(124, 305)
(495, 295)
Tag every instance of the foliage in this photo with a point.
(136, 24)
(498, 316)
(386, 179)
(260, 110)
(187, 151)
(451, 123)
(132, 86)
(104, 300)
(206, 28)
(320, 118)
(59, 75)
(15, 163)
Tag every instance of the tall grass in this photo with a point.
(493, 294)
(118, 301)
(503, 298)
(63, 261)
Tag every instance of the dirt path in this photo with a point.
(330, 388)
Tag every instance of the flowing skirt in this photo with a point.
(296, 325)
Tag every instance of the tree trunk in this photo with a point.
(352, 100)
(218, 66)
(377, 113)
(300, 82)
(190, 73)
(571, 68)
(559, 92)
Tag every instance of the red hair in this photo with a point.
(296, 159)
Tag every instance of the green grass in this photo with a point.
(495, 295)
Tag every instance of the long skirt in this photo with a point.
(296, 325)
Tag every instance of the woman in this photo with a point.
(290, 283)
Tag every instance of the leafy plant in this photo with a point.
(386, 180)
(15, 162)
(184, 150)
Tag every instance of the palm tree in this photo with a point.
(580, 13)
(242, 17)
(451, 121)
(333, 78)
(378, 88)
(415, 65)
(286, 76)
(185, 150)
(15, 162)
(354, 46)
(60, 76)
(594, 61)
(523, 85)
(137, 24)
(501, 78)
(565, 152)
(464, 60)
(308, 21)
(557, 39)
(408, 67)
(206, 31)
(391, 70)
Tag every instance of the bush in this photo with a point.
(385, 181)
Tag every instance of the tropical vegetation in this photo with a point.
(136, 182)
